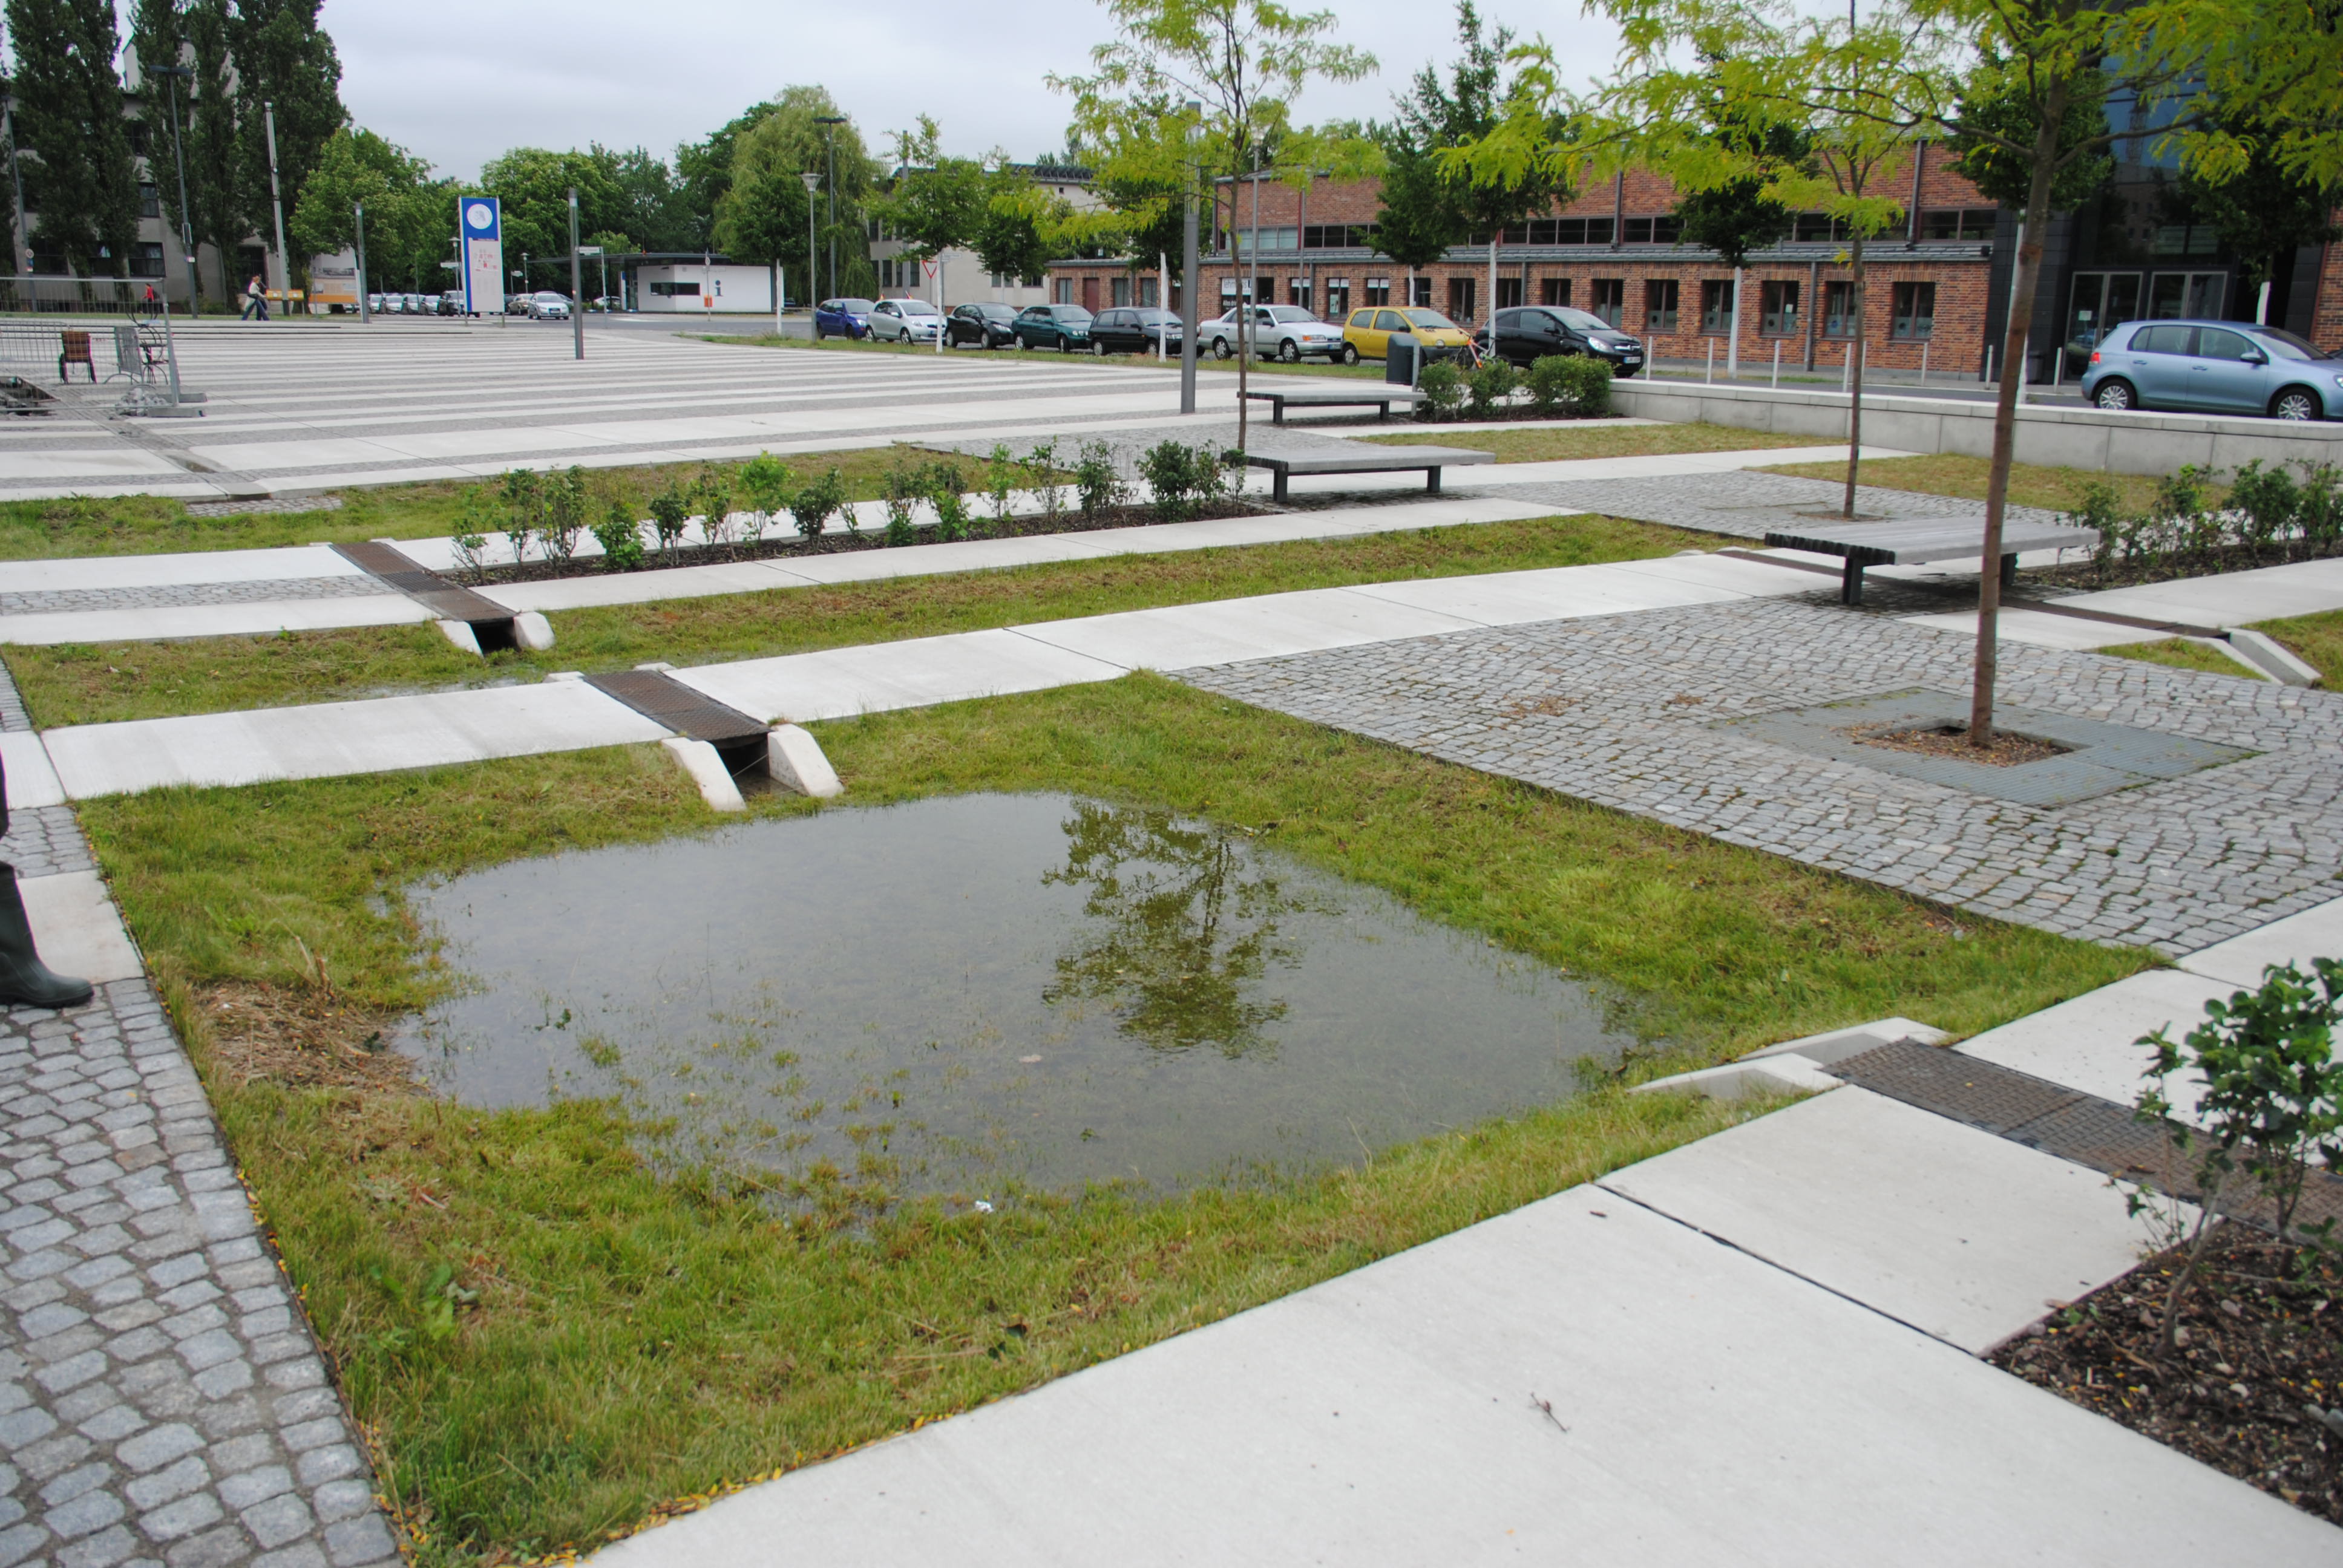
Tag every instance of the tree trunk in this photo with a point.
(2005, 414)
(1853, 372)
(1244, 325)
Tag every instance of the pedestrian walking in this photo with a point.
(255, 302)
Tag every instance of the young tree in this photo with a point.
(762, 212)
(408, 215)
(703, 175)
(215, 180)
(1243, 61)
(936, 203)
(533, 186)
(69, 116)
(281, 58)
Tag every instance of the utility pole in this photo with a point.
(577, 288)
(829, 152)
(277, 203)
(366, 316)
(1189, 321)
(178, 155)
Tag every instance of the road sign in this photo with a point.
(481, 221)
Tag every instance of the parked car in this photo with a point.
(1064, 328)
(451, 305)
(1136, 329)
(1286, 331)
(428, 304)
(987, 325)
(905, 321)
(375, 304)
(2215, 368)
(1370, 331)
(1535, 331)
(547, 306)
(842, 318)
(517, 304)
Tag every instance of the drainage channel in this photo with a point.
(2079, 1127)
(2008, 601)
(491, 623)
(658, 696)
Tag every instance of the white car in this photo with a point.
(905, 321)
(548, 306)
(1287, 331)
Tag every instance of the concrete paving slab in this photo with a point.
(642, 588)
(24, 467)
(256, 618)
(328, 739)
(1963, 1235)
(31, 780)
(2231, 599)
(180, 569)
(1554, 593)
(2316, 933)
(1706, 1408)
(2041, 630)
(78, 929)
(1744, 577)
(1224, 632)
(2090, 1043)
(963, 556)
(841, 682)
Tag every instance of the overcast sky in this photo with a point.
(459, 81)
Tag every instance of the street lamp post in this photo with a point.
(1190, 316)
(277, 205)
(577, 288)
(829, 152)
(366, 312)
(179, 157)
(813, 277)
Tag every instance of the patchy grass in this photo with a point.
(149, 525)
(634, 1339)
(2030, 484)
(2316, 639)
(1594, 438)
(82, 684)
(2180, 653)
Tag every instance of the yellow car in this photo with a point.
(1370, 331)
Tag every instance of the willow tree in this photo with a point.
(1243, 63)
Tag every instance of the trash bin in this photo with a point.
(1400, 359)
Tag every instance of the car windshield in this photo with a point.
(2286, 346)
(915, 307)
(1289, 313)
(1582, 320)
(853, 306)
(997, 312)
(1157, 317)
(1073, 315)
(1431, 319)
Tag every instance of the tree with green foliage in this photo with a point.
(703, 177)
(410, 216)
(761, 215)
(2263, 212)
(79, 178)
(933, 203)
(532, 185)
(1243, 61)
(282, 59)
(658, 212)
(216, 178)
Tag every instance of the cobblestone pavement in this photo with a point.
(161, 1399)
(1621, 710)
(1745, 503)
(268, 591)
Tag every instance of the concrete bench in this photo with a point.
(1357, 395)
(1365, 457)
(1862, 545)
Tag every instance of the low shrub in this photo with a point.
(902, 505)
(766, 481)
(1001, 475)
(471, 535)
(1098, 482)
(1184, 478)
(566, 503)
(816, 502)
(1442, 386)
(711, 497)
(523, 499)
(620, 536)
(1576, 385)
(1040, 469)
(670, 510)
(1491, 385)
(946, 492)
(2269, 512)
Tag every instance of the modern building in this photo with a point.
(1939, 286)
(697, 287)
(960, 276)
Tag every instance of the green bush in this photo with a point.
(1096, 481)
(566, 501)
(1442, 386)
(1184, 478)
(2266, 501)
(1041, 468)
(902, 503)
(2101, 510)
(670, 510)
(1491, 385)
(711, 497)
(1001, 474)
(766, 480)
(946, 492)
(620, 536)
(818, 501)
(523, 503)
(1575, 385)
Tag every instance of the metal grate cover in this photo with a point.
(665, 700)
(425, 587)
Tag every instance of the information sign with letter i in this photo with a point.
(481, 221)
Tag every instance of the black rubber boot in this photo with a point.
(25, 980)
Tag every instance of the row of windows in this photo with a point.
(1810, 227)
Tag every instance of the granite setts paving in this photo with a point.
(266, 592)
(161, 1401)
(1623, 710)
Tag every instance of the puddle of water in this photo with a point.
(956, 993)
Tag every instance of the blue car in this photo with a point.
(2214, 367)
(842, 318)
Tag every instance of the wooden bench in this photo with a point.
(1381, 395)
(1861, 545)
(1363, 457)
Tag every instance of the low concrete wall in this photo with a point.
(2060, 437)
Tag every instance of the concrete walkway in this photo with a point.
(1760, 1348)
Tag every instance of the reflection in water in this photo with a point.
(960, 992)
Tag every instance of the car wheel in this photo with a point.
(2297, 403)
(1064, 347)
(1350, 354)
(2115, 396)
(1220, 349)
(1098, 350)
(819, 335)
(1289, 352)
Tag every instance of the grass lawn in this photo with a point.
(82, 684)
(2180, 653)
(2030, 484)
(2316, 639)
(149, 525)
(1594, 438)
(618, 1340)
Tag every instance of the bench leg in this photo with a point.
(2009, 572)
(1431, 481)
(1850, 582)
(1277, 411)
(1277, 485)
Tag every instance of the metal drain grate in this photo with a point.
(666, 700)
(423, 585)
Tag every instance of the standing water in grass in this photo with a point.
(963, 993)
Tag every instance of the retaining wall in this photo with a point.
(2138, 443)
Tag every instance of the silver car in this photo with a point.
(905, 321)
(548, 306)
(1288, 332)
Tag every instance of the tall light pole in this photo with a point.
(365, 313)
(24, 258)
(829, 152)
(178, 155)
(1190, 318)
(277, 205)
(813, 275)
(577, 288)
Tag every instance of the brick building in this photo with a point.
(1939, 284)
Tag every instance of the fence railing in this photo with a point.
(37, 295)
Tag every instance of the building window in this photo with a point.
(150, 202)
(1337, 235)
(1914, 311)
(1609, 299)
(1716, 307)
(1420, 293)
(1121, 294)
(1554, 291)
(1150, 292)
(1297, 292)
(147, 260)
(1815, 227)
(1509, 293)
(1461, 294)
(1659, 307)
(1959, 223)
(1838, 310)
(1778, 310)
(1062, 291)
(1378, 291)
(1338, 299)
